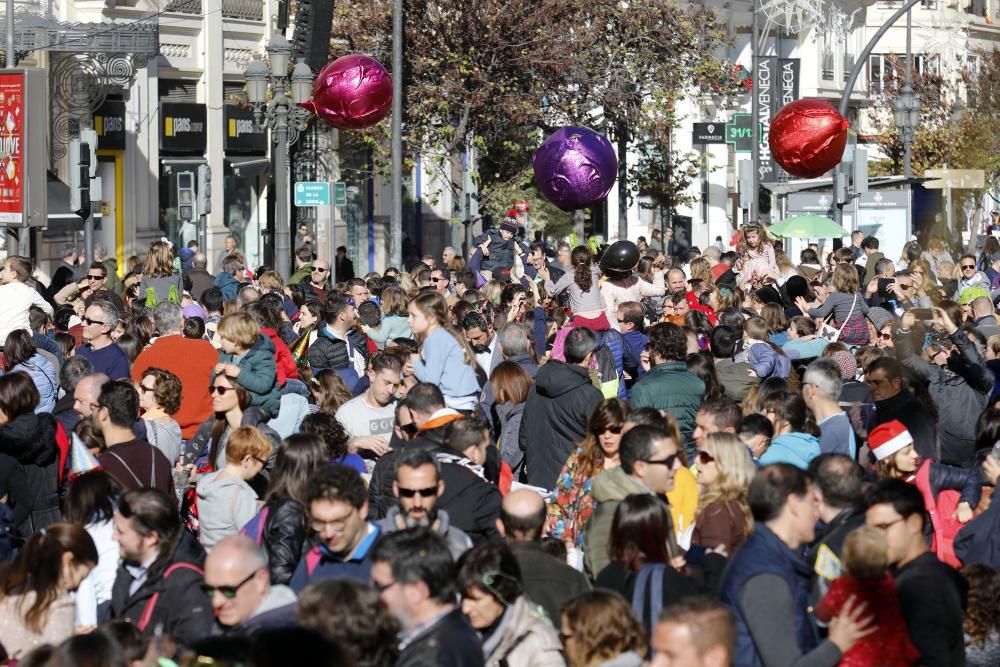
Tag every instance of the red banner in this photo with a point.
(11, 148)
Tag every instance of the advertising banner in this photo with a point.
(767, 101)
(12, 173)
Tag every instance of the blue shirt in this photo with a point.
(110, 360)
(320, 563)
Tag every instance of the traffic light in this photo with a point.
(185, 196)
(204, 189)
(79, 177)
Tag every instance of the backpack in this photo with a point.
(147, 611)
(942, 512)
(254, 529)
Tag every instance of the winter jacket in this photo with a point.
(735, 378)
(555, 419)
(229, 286)
(458, 542)
(670, 386)
(442, 362)
(509, 416)
(767, 362)
(487, 400)
(526, 639)
(180, 608)
(932, 597)
(285, 363)
(258, 374)
(978, 542)
(450, 642)
(330, 352)
(635, 343)
(797, 449)
(943, 488)
(43, 375)
(284, 538)
(31, 440)
(95, 589)
(225, 505)
(547, 580)
(960, 391)
(164, 433)
(609, 489)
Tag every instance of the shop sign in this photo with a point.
(243, 135)
(12, 149)
(182, 127)
(109, 124)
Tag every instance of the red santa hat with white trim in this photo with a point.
(888, 438)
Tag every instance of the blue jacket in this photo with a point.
(229, 285)
(765, 553)
(798, 449)
(43, 375)
(635, 343)
(442, 362)
(318, 563)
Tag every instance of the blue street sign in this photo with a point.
(312, 194)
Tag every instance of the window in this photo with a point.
(827, 72)
(879, 72)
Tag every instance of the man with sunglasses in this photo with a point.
(649, 457)
(970, 276)
(417, 487)
(239, 585)
(99, 320)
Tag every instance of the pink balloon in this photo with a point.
(352, 92)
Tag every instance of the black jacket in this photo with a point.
(182, 609)
(932, 597)
(284, 538)
(451, 642)
(831, 543)
(65, 414)
(31, 440)
(555, 419)
(904, 407)
(978, 542)
(329, 352)
(14, 487)
(547, 580)
(472, 503)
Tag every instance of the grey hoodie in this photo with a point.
(225, 505)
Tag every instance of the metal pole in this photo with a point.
(908, 132)
(282, 240)
(859, 66)
(755, 112)
(396, 217)
(11, 59)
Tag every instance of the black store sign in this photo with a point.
(182, 128)
(109, 123)
(242, 133)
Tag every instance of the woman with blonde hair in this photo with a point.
(725, 470)
(394, 322)
(701, 270)
(161, 281)
(846, 304)
(599, 629)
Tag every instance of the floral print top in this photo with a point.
(573, 503)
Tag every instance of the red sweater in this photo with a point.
(192, 361)
(282, 357)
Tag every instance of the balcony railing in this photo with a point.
(246, 10)
(184, 6)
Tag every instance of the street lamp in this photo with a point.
(906, 115)
(285, 118)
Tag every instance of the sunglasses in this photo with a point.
(87, 320)
(228, 592)
(668, 462)
(221, 391)
(885, 336)
(90, 277)
(429, 492)
(320, 270)
(143, 389)
(704, 457)
(966, 267)
(614, 430)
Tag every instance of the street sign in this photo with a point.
(308, 194)
(739, 133)
(340, 194)
(709, 133)
(958, 179)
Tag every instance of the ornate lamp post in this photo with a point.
(906, 115)
(282, 115)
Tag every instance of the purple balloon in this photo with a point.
(575, 167)
(352, 92)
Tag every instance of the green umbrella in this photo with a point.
(808, 227)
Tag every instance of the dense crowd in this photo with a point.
(542, 456)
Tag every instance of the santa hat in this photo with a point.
(887, 439)
(81, 460)
(510, 222)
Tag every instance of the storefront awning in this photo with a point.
(249, 166)
(61, 219)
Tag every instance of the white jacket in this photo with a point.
(15, 300)
(96, 587)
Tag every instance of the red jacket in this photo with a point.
(287, 369)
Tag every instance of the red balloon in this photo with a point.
(808, 137)
(352, 92)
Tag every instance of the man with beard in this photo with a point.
(482, 339)
(417, 487)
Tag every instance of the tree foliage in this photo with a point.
(504, 73)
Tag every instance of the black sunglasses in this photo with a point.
(705, 458)
(87, 320)
(318, 270)
(228, 592)
(94, 277)
(221, 391)
(669, 461)
(429, 492)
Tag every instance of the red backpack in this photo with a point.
(942, 510)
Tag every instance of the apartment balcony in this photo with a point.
(244, 10)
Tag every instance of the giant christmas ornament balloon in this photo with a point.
(352, 92)
(575, 168)
(808, 137)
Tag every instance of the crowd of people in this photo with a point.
(538, 457)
